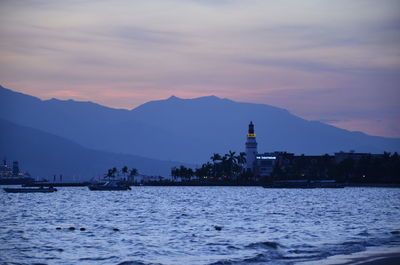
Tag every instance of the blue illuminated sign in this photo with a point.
(266, 157)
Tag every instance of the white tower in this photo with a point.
(251, 148)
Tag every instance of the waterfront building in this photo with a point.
(251, 148)
(259, 165)
(341, 156)
(264, 164)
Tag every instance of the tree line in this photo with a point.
(127, 174)
(230, 166)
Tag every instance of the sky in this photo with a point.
(333, 61)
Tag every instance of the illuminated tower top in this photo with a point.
(250, 132)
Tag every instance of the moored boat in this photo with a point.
(109, 185)
(12, 175)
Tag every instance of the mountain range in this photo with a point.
(174, 129)
(44, 155)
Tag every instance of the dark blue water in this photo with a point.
(177, 225)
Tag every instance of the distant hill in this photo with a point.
(43, 154)
(216, 125)
(187, 130)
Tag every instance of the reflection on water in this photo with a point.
(195, 225)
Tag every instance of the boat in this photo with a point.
(109, 185)
(12, 176)
(16, 180)
(29, 190)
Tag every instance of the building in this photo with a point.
(264, 164)
(341, 156)
(251, 148)
(288, 165)
(258, 164)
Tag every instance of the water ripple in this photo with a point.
(178, 225)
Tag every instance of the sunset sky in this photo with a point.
(333, 61)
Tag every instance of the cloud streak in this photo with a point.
(286, 53)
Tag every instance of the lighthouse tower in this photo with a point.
(251, 148)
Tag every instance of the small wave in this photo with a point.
(301, 251)
(364, 233)
(299, 258)
(133, 262)
(98, 258)
(342, 248)
(257, 259)
(222, 262)
(50, 248)
(232, 247)
(265, 244)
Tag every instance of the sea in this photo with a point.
(195, 225)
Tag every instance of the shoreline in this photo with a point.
(384, 255)
(180, 184)
(382, 261)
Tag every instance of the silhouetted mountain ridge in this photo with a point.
(43, 155)
(187, 130)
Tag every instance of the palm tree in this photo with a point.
(133, 172)
(189, 173)
(231, 163)
(241, 158)
(239, 168)
(114, 170)
(223, 169)
(231, 157)
(174, 173)
(205, 171)
(184, 172)
(216, 166)
(124, 171)
(386, 156)
(110, 174)
(216, 157)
